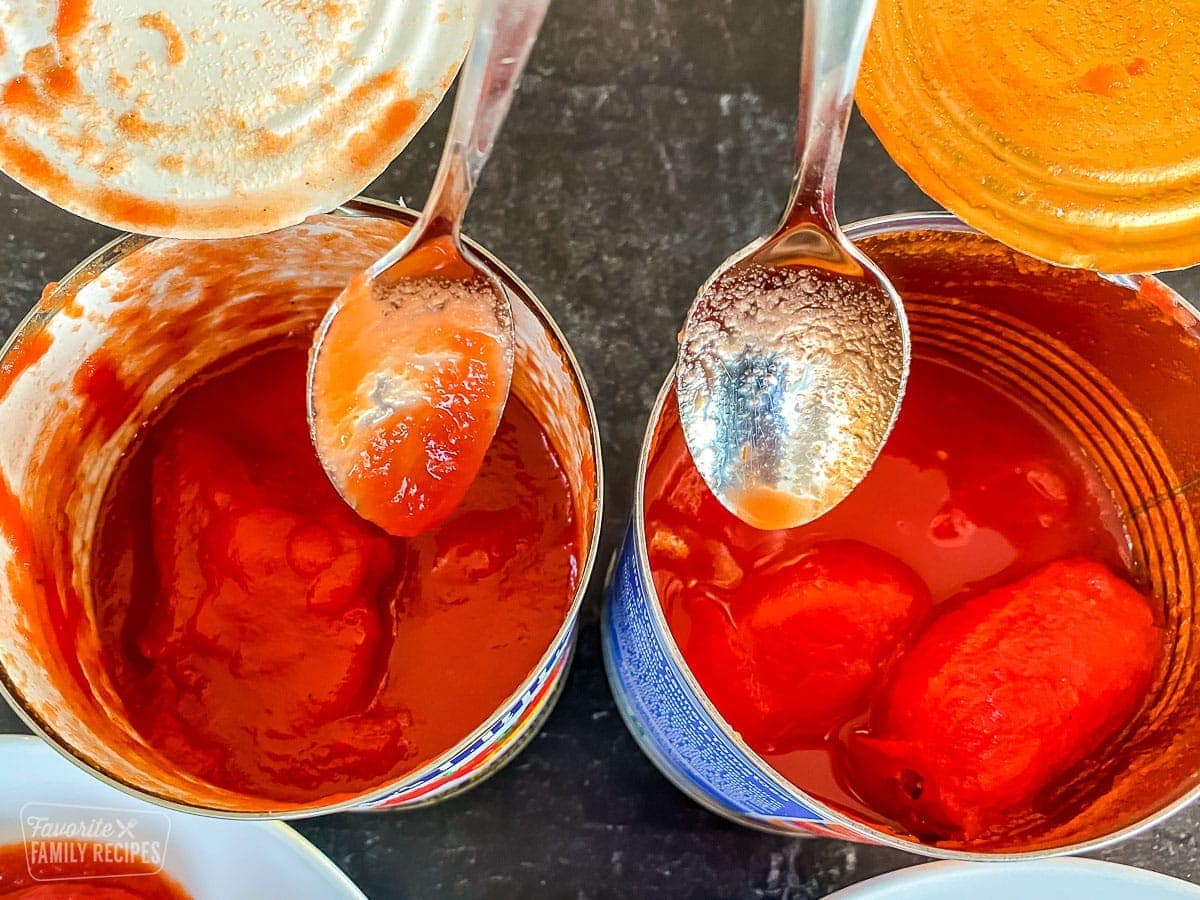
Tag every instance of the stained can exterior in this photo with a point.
(548, 378)
(681, 731)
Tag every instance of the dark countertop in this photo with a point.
(651, 139)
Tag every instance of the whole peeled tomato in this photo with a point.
(799, 649)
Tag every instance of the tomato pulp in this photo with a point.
(847, 635)
(268, 640)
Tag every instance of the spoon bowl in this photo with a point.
(410, 374)
(794, 355)
(791, 371)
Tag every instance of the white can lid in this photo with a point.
(217, 119)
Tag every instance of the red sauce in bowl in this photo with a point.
(81, 870)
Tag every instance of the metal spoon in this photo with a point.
(794, 356)
(373, 341)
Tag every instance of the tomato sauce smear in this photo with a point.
(267, 639)
(905, 657)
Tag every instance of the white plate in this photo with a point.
(206, 119)
(1048, 879)
(213, 859)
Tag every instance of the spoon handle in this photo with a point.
(505, 31)
(835, 33)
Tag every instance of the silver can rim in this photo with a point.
(889, 224)
(367, 207)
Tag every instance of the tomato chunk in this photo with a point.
(801, 652)
(1001, 695)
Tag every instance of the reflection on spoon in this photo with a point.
(794, 355)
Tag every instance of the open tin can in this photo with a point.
(172, 317)
(1113, 363)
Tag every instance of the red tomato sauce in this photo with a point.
(871, 655)
(85, 870)
(268, 640)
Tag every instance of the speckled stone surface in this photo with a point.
(651, 138)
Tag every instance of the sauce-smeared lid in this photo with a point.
(216, 119)
(1066, 130)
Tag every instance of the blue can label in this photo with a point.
(669, 719)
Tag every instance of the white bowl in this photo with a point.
(1046, 879)
(212, 859)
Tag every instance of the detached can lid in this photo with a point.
(217, 119)
(1070, 131)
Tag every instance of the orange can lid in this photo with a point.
(1070, 131)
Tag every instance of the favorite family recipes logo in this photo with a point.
(63, 841)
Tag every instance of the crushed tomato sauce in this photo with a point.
(266, 639)
(872, 655)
